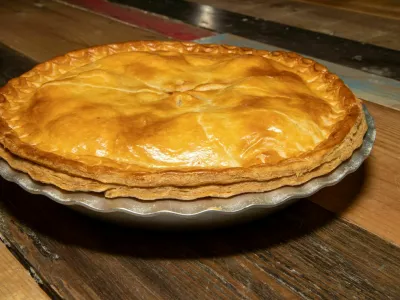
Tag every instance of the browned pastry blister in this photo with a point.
(178, 120)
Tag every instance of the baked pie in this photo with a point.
(155, 120)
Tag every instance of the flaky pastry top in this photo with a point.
(171, 108)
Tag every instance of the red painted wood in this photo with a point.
(142, 19)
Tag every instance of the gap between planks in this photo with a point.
(15, 280)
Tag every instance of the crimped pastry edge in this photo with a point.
(17, 88)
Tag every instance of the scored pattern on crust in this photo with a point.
(19, 89)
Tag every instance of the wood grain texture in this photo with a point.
(15, 281)
(171, 28)
(44, 29)
(321, 18)
(383, 8)
(374, 192)
(301, 252)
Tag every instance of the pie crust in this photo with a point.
(156, 120)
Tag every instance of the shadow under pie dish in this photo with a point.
(155, 120)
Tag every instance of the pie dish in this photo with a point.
(155, 120)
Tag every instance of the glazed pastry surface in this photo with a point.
(166, 110)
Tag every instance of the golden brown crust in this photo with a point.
(71, 183)
(17, 90)
(228, 190)
(49, 176)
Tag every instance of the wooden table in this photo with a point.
(343, 242)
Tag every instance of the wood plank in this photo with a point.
(320, 18)
(389, 39)
(171, 28)
(44, 29)
(370, 197)
(301, 252)
(383, 8)
(15, 280)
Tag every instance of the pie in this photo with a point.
(155, 120)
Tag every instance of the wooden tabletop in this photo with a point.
(343, 242)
